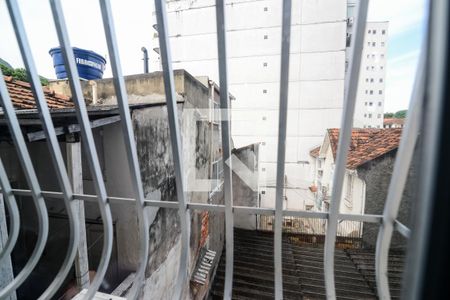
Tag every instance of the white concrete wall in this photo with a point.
(353, 195)
(317, 70)
(370, 107)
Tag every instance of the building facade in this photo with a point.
(201, 149)
(367, 177)
(317, 71)
(371, 86)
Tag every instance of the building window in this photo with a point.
(367, 91)
(383, 31)
(370, 103)
(367, 68)
(381, 67)
(367, 79)
(371, 92)
(380, 103)
(382, 44)
(379, 116)
(373, 55)
(266, 37)
(374, 44)
(374, 32)
(371, 79)
(365, 115)
(380, 92)
(369, 126)
(368, 44)
(381, 80)
(382, 55)
(370, 116)
(369, 31)
(264, 118)
(378, 126)
(373, 68)
(265, 64)
(365, 103)
(266, 8)
(264, 91)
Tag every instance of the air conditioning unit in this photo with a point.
(350, 21)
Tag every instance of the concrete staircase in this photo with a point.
(303, 276)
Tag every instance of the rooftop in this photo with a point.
(22, 96)
(366, 144)
(390, 121)
(302, 269)
(315, 152)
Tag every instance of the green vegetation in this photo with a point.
(401, 114)
(19, 74)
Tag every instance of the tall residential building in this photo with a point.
(317, 71)
(370, 96)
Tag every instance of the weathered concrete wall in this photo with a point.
(141, 88)
(156, 165)
(377, 175)
(243, 194)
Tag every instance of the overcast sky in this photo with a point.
(133, 19)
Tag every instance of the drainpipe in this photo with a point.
(145, 59)
(93, 85)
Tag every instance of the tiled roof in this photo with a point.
(390, 121)
(22, 97)
(315, 152)
(366, 144)
(253, 275)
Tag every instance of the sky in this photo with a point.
(406, 30)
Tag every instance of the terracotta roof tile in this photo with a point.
(390, 121)
(22, 96)
(366, 144)
(315, 152)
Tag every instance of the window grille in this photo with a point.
(332, 218)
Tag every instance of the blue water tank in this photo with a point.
(90, 65)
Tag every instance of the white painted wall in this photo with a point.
(353, 193)
(317, 70)
(371, 87)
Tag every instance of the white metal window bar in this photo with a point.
(387, 221)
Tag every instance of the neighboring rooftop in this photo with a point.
(303, 277)
(392, 121)
(315, 152)
(22, 96)
(366, 144)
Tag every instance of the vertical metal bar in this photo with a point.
(52, 142)
(225, 126)
(130, 146)
(175, 137)
(343, 147)
(30, 175)
(418, 282)
(88, 143)
(281, 152)
(13, 211)
(398, 180)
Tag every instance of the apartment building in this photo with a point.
(317, 70)
(370, 96)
